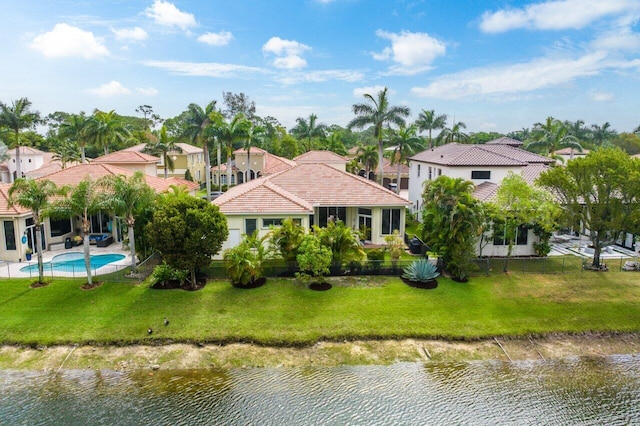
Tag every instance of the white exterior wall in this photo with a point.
(28, 162)
(501, 251)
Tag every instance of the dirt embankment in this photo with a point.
(184, 356)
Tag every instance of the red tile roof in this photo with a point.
(455, 154)
(327, 157)
(5, 210)
(126, 157)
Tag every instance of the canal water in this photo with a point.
(584, 391)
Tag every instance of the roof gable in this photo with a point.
(455, 154)
(126, 157)
(328, 157)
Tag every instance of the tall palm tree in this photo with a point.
(254, 137)
(309, 129)
(16, 117)
(198, 122)
(406, 143)
(551, 136)
(82, 200)
(428, 120)
(66, 151)
(127, 197)
(230, 132)
(106, 128)
(367, 155)
(378, 113)
(162, 146)
(454, 134)
(76, 127)
(34, 195)
(334, 143)
(602, 134)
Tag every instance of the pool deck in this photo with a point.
(12, 269)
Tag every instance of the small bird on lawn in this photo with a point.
(150, 330)
(166, 321)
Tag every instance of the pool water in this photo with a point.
(72, 262)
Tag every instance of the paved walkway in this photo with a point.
(577, 246)
(13, 269)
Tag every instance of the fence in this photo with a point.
(542, 265)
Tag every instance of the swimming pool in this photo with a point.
(74, 262)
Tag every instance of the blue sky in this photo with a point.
(495, 65)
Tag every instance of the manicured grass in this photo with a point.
(284, 312)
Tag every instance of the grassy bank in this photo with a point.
(285, 313)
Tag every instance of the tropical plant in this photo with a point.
(187, 231)
(378, 113)
(313, 257)
(34, 195)
(405, 143)
(601, 135)
(106, 129)
(163, 273)
(229, 133)
(197, 123)
(450, 221)
(244, 263)
(254, 137)
(375, 258)
(395, 247)
(17, 117)
(368, 157)
(162, 146)
(428, 120)
(286, 239)
(82, 201)
(75, 127)
(335, 144)
(127, 197)
(552, 135)
(420, 271)
(342, 241)
(454, 134)
(66, 151)
(308, 129)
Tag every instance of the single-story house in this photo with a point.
(312, 194)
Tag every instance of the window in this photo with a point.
(499, 238)
(271, 222)
(60, 227)
(481, 174)
(439, 172)
(418, 170)
(390, 221)
(250, 226)
(198, 176)
(430, 173)
(523, 234)
(338, 213)
(9, 235)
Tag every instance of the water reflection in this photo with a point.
(570, 391)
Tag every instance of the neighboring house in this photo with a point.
(188, 158)
(18, 222)
(311, 194)
(506, 141)
(263, 163)
(484, 165)
(325, 157)
(566, 154)
(30, 159)
(389, 171)
(130, 160)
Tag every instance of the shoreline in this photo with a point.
(180, 356)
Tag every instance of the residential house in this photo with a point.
(130, 160)
(263, 163)
(484, 165)
(30, 159)
(187, 157)
(566, 154)
(312, 194)
(17, 230)
(325, 157)
(389, 171)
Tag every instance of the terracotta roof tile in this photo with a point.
(5, 210)
(455, 154)
(505, 141)
(327, 157)
(126, 157)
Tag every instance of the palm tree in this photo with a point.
(162, 146)
(308, 129)
(75, 127)
(454, 134)
(255, 135)
(34, 195)
(66, 151)
(378, 113)
(229, 133)
(551, 136)
(367, 155)
(198, 122)
(602, 134)
(105, 128)
(406, 143)
(81, 201)
(16, 117)
(334, 143)
(127, 197)
(428, 120)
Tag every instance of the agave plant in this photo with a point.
(420, 271)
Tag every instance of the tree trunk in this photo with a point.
(87, 258)
(83, 158)
(596, 256)
(229, 170)
(38, 247)
(194, 282)
(18, 168)
(248, 177)
(166, 168)
(398, 178)
(380, 156)
(207, 171)
(132, 244)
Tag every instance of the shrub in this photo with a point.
(163, 273)
(395, 246)
(314, 258)
(375, 258)
(421, 271)
(244, 263)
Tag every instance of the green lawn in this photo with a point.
(284, 312)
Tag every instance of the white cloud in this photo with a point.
(147, 91)
(113, 88)
(413, 52)
(621, 39)
(601, 96)
(68, 41)
(133, 34)
(555, 15)
(168, 15)
(288, 53)
(371, 90)
(204, 69)
(220, 39)
(320, 76)
(518, 78)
